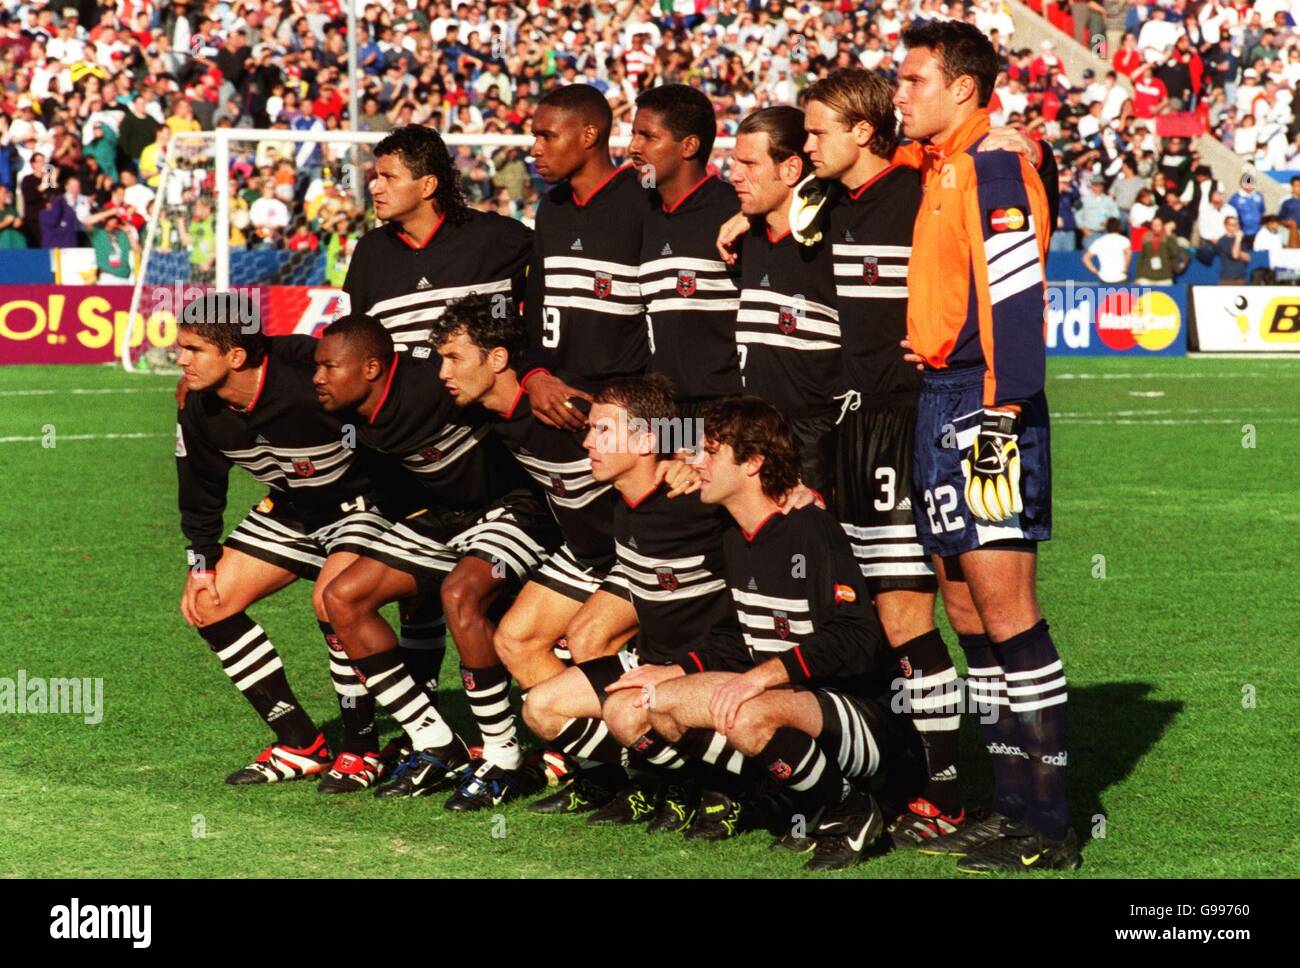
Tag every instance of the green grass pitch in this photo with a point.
(1170, 587)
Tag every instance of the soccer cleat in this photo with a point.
(584, 790)
(845, 833)
(716, 818)
(1023, 848)
(489, 785)
(554, 765)
(923, 822)
(395, 752)
(632, 804)
(426, 771)
(351, 772)
(675, 809)
(278, 762)
(975, 833)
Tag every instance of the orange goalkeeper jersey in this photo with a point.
(975, 281)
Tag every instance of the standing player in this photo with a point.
(251, 403)
(584, 311)
(975, 317)
(801, 685)
(474, 506)
(787, 330)
(691, 295)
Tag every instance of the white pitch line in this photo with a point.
(1267, 421)
(1069, 415)
(61, 437)
(84, 392)
(1170, 375)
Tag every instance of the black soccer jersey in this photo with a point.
(870, 235)
(584, 310)
(556, 459)
(670, 550)
(284, 439)
(691, 295)
(449, 451)
(407, 284)
(800, 598)
(788, 328)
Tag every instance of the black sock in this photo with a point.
(356, 706)
(1036, 690)
(590, 739)
(387, 679)
(794, 758)
(423, 646)
(653, 752)
(933, 706)
(488, 692)
(988, 697)
(250, 660)
(710, 748)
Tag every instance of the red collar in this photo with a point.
(583, 202)
(407, 239)
(779, 238)
(388, 385)
(638, 501)
(257, 394)
(857, 192)
(514, 404)
(689, 192)
(750, 537)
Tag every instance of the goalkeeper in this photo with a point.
(981, 466)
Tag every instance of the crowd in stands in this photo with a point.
(91, 92)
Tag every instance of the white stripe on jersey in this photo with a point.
(782, 301)
(617, 287)
(806, 323)
(673, 264)
(880, 251)
(702, 284)
(553, 262)
(788, 342)
(626, 554)
(434, 296)
(593, 304)
(755, 600)
(690, 305)
(873, 292)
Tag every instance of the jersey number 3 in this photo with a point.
(550, 327)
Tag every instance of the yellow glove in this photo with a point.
(992, 468)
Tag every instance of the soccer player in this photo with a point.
(251, 403)
(584, 311)
(670, 553)
(787, 330)
(802, 684)
(691, 295)
(475, 508)
(975, 317)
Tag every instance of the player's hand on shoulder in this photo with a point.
(800, 496)
(195, 583)
(551, 399)
(678, 473)
(1012, 139)
(646, 678)
(731, 231)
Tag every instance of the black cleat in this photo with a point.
(395, 752)
(716, 818)
(632, 804)
(922, 823)
(675, 808)
(583, 791)
(490, 786)
(977, 832)
(426, 771)
(351, 773)
(845, 833)
(1023, 848)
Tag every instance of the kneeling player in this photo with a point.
(811, 705)
(251, 403)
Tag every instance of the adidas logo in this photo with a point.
(1005, 750)
(577, 246)
(423, 283)
(905, 504)
(666, 250)
(278, 710)
(949, 773)
(753, 585)
(764, 281)
(1058, 760)
(848, 236)
(261, 440)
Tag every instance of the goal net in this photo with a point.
(284, 221)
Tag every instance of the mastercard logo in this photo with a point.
(1007, 220)
(1150, 321)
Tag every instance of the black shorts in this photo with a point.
(274, 532)
(867, 738)
(607, 670)
(873, 498)
(573, 577)
(816, 436)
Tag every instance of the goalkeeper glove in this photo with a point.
(992, 468)
(806, 204)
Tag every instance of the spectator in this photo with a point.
(1234, 254)
(1160, 258)
(1249, 204)
(1096, 208)
(113, 247)
(11, 224)
(137, 128)
(269, 217)
(151, 159)
(1210, 224)
(1290, 214)
(1109, 255)
(59, 225)
(1272, 235)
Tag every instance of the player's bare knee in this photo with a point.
(665, 724)
(540, 714)
(585, 640)
(343, 601)
(461, 601)
(626, 721)
(753, 729)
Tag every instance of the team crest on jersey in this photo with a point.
(557, 485)
(667, 580)
(685, 282)
(906, 666)
(467, 679)
(781, 624)
(787, 320)
(421, 352)
(604, 284)
(781, 770)
(870, 269)
(304, 468)
(431, 455)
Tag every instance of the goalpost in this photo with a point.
(205, 233)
